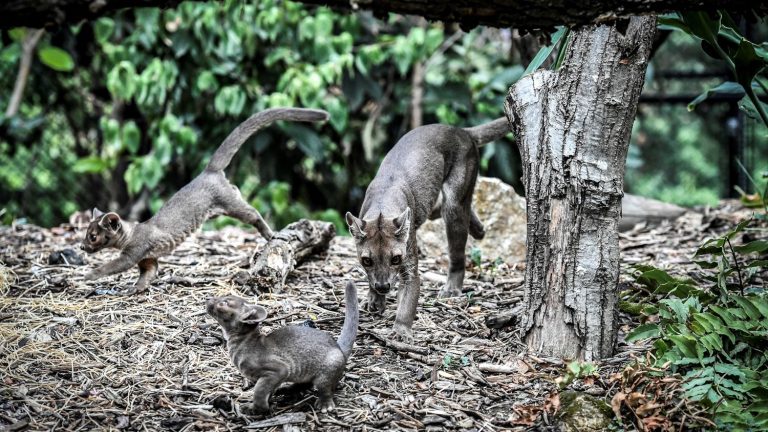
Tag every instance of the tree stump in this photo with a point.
(287, 249)
(573, 129)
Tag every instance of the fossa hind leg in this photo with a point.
(236, 207)
(457, 214)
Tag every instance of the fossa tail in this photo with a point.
(351, 317)
(223, 155)
(488, 132)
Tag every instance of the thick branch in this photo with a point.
(522, 14)
(534, 14)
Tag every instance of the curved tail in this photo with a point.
(351, 318)
(491, 131)
(223, 155)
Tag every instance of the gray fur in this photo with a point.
(210, 194)
(429, 173)
(292, 354)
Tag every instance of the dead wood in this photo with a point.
(287, 249)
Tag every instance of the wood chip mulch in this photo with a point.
(75, 356)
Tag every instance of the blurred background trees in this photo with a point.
(122, 111)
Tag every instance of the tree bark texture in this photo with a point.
(533, 14)
(288, 248)
(521, 14)
(573, 129)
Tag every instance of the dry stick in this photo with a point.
(28, 48)
(399, 346)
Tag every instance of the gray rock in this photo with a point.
(580, 412)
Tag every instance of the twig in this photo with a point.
(400, 346)
(28, 48)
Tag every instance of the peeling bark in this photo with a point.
(573, 129)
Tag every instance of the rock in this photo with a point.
(502, 212)
(636, 209)
(580, 412)
(65, 256)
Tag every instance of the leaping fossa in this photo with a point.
(429, 173)
(209, 194)
(291, 354)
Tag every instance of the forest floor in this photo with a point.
(74, 356)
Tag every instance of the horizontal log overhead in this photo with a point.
(521, 14)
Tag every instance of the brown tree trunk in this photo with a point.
(573, 129)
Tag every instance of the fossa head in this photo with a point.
(234, 313)
(104, 230)
(382, 245)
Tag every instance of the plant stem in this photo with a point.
(756, 102)
(736, 264)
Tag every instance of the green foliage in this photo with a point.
(713, 333)
(150, 93)
(721, 39)
(576, 370)
(455, 362)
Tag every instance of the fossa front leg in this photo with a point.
(118, 265)
(408, 294)
(147, 272)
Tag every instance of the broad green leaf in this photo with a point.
(644, 331)
(728, 87)
(754, 246)
(686, 345)
(672, 23)
(56, 59)
(545, 52)
(748, 307)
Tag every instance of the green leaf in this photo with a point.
(90, 165)
(56, 59)
(18, 34)
(644, 331)
(131, 136)
(103, 29)
(686, 345)
(545, 52)
(207, 81)
(672, 23)
(754, 246)
(748, 307)
(728, 87)
(679, 309)
(307, 139)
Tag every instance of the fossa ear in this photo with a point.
(356, 226)
(253, 314)
(111, 221)
(403, 223)
(96, 213)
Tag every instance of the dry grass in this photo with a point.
(75, 357)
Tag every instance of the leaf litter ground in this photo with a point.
(74, 356)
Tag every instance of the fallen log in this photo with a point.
(287, 249)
